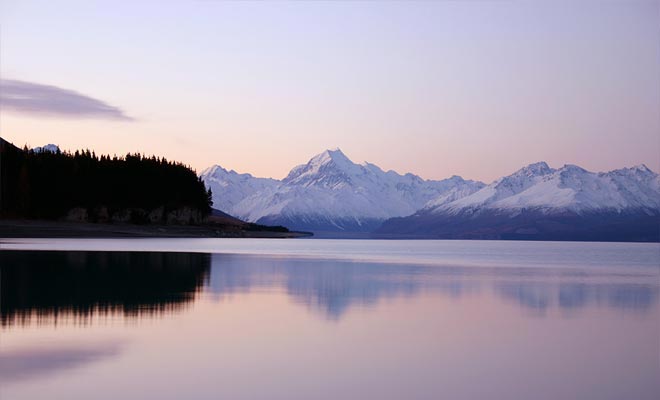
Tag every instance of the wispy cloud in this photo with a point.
(34, 98)
(22, 364)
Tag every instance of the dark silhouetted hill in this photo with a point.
(85, 187)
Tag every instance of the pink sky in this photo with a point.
(476, 89)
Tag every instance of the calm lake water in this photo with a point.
(328, 319)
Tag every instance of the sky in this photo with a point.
(436, 88)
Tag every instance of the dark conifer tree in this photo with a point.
(48, 185)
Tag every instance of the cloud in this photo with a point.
(23, 364)
(34, 98)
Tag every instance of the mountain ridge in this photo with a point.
(331, 193)
(543, 203)
(569, 187)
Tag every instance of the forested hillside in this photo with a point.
(87, 187)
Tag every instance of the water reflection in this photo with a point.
(332, 287)
(328, 286)
(34, 362)
(86, 325)
(51, 285)
(47, 286)
(542, 296)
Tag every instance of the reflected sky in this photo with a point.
(171, 325)
(38, 286)
(331, 287)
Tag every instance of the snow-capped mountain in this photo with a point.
(53, 148)
(331, 193)
(230, 188)
(569, 188)
(539, 200)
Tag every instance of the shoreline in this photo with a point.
(13, 229)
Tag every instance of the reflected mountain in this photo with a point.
(51, 285)
(542, 296)
(328, 286)
(332, 287)
(45, 286)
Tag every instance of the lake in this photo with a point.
(328, 319)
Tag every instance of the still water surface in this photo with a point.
(328, 319)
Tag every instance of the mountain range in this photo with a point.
(543, 203)
(331, 195)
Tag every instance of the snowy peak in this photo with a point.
(523, 178)
(219, 173)
(215, 170)
(51, 148)
(641, 168)
(502, 188)
(640, 171)
(330, 168)
(331, 156)
(535, 169)
(570, 170)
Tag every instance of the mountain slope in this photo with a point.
(229, 187)
(539, 202)
(331, 193)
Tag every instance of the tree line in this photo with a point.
(48, 185)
